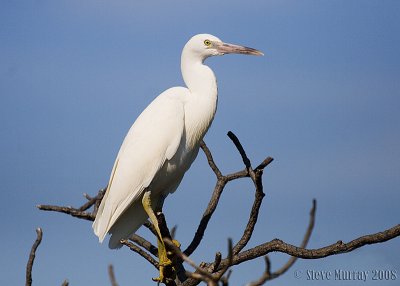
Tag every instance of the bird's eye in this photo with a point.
(207, 43)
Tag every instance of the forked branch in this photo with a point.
(213, 273)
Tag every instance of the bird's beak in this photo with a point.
(225, 48)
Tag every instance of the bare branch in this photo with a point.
(144, 243)
(68, 210)
(267, 274)
(248, 232)
(210, 159)
(219, 188)
(173, 231)
(184, 257)
(229, 260)
(256, 177)
(140, 251)
(150, 227)
(239, 146)
(277, 245)
(81, 211)
(264, 163)
(339, 247)
(213, 273)
(303, 244)
(217, 261)
(39, 235)
(211, 207)
(203, 273)
(111, 274)
(92, 201)
(177, 261)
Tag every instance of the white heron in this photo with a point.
(161, 145)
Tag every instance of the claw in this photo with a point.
(165, 267)
(177, 243)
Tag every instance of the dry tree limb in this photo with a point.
(39, 235)
(277, 245)
(111, 274)
(140, 251)
(235, 140)
(68, 210)
(256, 177)
(81, 211)
(217, 261)
(144, 244)
(213, 272)
(92, 201)
(211, 207)
(177, 266)
(202, 273)
(229, 258)
(267, 273)
(168, 242)
(222, 180)
(147, 224)
(210, 159)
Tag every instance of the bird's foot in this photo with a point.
(167, 272)
(177, 243)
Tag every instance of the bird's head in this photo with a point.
(206, 45)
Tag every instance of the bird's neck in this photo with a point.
(202, 105)
(198, 77)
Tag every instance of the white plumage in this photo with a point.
(163, 142)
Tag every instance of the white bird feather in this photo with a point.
(163, 142)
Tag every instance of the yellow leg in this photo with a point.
(164, 261)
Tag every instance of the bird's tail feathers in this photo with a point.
(127, 224)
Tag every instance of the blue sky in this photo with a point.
(324, 101)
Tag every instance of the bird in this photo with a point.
(161, 145)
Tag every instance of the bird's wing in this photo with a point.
(153, 138)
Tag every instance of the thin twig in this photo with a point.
(144, 243)
(92, 201)
(184, 257)
(264, 163)
(219, 188)
(140, 251)
(211, 207)
(229, 260)
(267, 274)
(210, 159)
(217, 261)
(68, 210)
(150, 227)
(248, 231)
(39, 235)
(177, 266)
(256, 177)
(202, 272)
(303, 244)
(239, 146)
(111, 274)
